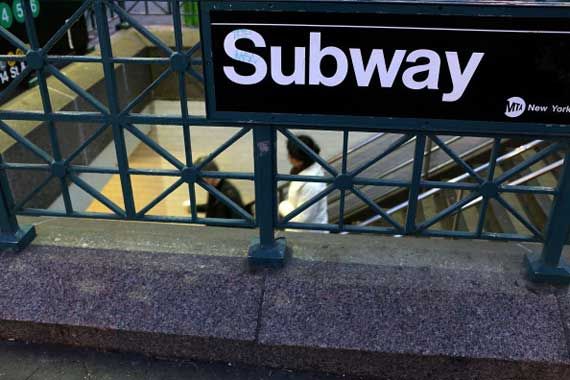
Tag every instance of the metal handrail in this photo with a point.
(460, 178)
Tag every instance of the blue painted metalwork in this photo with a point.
(550, 266)
(266, 250)
(183, 62)
(11, 234)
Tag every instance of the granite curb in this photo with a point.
(395, 318)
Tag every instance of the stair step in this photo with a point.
(470, 218)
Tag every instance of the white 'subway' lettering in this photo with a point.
(423, 74)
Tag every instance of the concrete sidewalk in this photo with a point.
(19, 361)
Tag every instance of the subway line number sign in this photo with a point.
(15, 11)
(379, 65)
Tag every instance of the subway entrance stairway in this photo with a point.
(444, 256)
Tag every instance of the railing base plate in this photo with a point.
(540, 272)
(273, 256)
(18, 240)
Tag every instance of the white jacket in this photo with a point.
(300, 192)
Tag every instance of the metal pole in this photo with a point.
(111, 88)
(550, 266)
(266, 251)
(11, 234)
(419, 152)
(427, 159)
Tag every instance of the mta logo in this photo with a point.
(515, 106)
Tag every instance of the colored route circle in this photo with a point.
(6, 18)
(35, 5)
(18, 9)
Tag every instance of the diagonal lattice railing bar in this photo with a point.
(160, 197)
(190, 70)
(194, 74)
(411, 160)
(86, 143)
(147, 10)
(530, 189)
(524, 221)
(194, 49)
(533, 190)
(154, 146)
(381, 181)
(194, 62)
(97, 195)
(62, 31)
(308, 203)
(159, 6)
(13, 40)
(490, 176)
(36, 150)
(134, 102)
(377, 209)
(220, 149)
(483, 167)
(392, 148)
(14, 84)
(227, 201)
(135, 3)
(528, 162)
(443, 146)
(20, 205)
(308, 151)
(139, 27)
(77, 89)
(448, 211)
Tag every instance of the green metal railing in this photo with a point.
(185, 62)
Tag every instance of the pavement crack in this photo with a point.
(32, 374)
(44, 221)
(87, 373)
(260, 307)
(565, 325)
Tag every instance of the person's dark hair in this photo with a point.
(209, 167)
(298, 153)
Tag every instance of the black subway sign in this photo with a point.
(380, 65)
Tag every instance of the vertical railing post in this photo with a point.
(419, 153)
(266, 251)
(11, 234)
(550, 266)
(114, 107)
